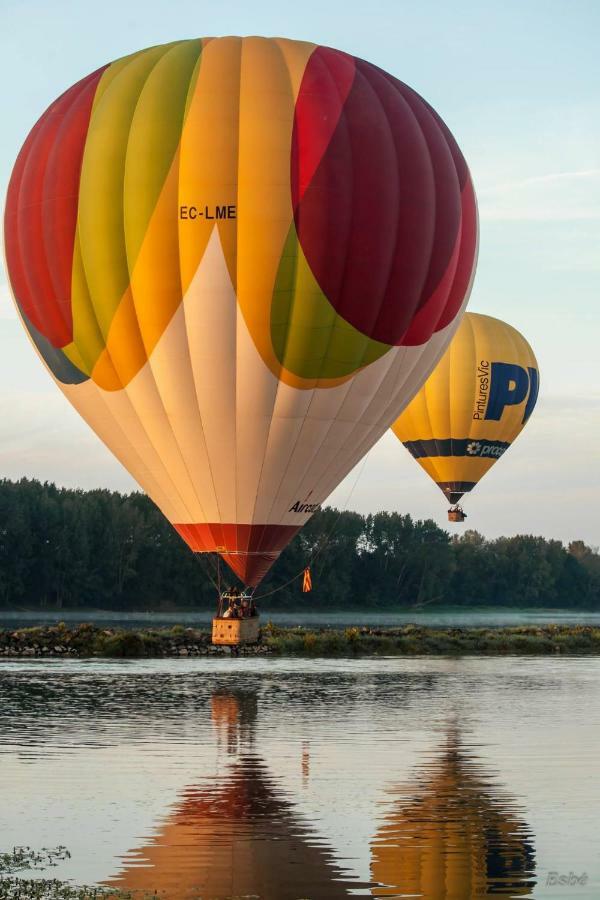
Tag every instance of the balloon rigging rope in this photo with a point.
(217, 568)
(327, 540)
(315, 554)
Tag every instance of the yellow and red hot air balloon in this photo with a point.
(473, 405)
(239, 257)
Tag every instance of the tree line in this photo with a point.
(100, 549)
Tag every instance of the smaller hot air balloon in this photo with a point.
(472, 407)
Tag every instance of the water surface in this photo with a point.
(443, 617)
(429, 778)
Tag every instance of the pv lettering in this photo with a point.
(510, 385)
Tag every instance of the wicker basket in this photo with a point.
(233, 632)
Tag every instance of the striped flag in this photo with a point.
(306, 581)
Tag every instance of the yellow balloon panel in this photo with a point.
(472, 406)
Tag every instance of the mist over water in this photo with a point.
(430, 778)
(437, 616)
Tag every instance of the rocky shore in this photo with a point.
(88, 641)
(84, 641)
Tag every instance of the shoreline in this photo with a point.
(87, 641)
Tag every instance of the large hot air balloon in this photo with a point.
(472, 407)
(239, 257)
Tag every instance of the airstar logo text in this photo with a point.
(305, 507)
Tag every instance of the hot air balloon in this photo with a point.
(239, 257)
(472, 407)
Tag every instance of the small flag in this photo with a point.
(306, 582)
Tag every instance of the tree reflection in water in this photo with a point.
(452, 836)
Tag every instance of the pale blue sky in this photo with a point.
(518, 83)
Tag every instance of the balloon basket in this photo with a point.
(235, 632)
(456, 514)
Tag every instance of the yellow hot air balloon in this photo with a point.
(239, 257)
(472, 407)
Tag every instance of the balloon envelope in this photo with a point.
(473, 405)
(239, 257)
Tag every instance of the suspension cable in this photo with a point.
(200, 561)
(316, 553)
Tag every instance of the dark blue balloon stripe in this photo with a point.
(457, 447)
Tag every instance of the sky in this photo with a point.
(519, 86)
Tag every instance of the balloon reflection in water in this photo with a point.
(239, 837)
(453, 836)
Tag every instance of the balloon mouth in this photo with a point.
(250, 568)
(248, 550)
(454, 490)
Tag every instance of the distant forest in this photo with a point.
(99, 549)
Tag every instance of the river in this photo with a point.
(287, 779)
(443, 617)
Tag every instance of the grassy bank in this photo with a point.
(84, 641)
(412, 640)
(20, 878)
